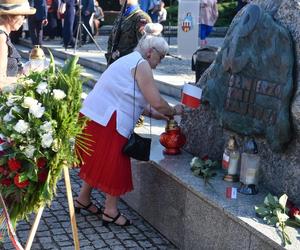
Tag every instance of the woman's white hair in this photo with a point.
(152, 39)
(149, 41)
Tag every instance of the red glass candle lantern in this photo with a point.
(172, 139)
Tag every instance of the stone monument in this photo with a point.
(252, 89)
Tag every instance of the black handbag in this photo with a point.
(137, 146)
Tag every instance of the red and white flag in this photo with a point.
(231, 192)
(191, 95)
(225, 161)
(5, 224)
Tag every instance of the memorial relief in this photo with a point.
(252, 90)
(250, 85)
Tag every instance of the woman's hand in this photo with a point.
(178, 109)
(151, 112)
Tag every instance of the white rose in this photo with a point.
(58, 94)
(29, 81)
(10, 102)
(47, 140)
(42, 88)
(13, 109)
(29, 151)
(29, 102)
(7, 117)
(46, 127)
(37, 110)
(21, 127)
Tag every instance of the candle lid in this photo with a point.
(232, 144)
(250, 146)
(37, 53)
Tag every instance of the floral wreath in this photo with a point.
(38, 125)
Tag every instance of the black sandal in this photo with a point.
(114, 219)
(77, 209)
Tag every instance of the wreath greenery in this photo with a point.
(38, 124)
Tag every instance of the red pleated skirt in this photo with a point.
(106, 167)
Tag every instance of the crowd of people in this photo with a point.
(60, 19)
(52, 21)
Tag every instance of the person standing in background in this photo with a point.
(162, 14)
(144, 5)
(52, 6)
(12, 14)
(37, 21)
(132, 29)
(86, 14)
(154, 9)
(207, 19)
(68, 25)
(98, 18)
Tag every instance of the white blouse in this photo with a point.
(114, 92)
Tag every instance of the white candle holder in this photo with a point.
(231, 160)
(249, 173)
(37, 59)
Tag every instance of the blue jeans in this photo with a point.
(204, 31)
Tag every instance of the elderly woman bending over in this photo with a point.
(12, 14)
(109, 106)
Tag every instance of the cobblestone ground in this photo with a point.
(54, 231)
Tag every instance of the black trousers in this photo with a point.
(35, 30)
(86, 22)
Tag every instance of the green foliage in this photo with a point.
(273, 212)
(50, 134)
(205, 169)
(227, 11)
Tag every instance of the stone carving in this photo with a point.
(250, 85)
(279, 172)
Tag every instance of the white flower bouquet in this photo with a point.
(39, 121)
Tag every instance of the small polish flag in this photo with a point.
(225, 161)
(191, 95)
(231, 192)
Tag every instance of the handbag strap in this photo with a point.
(134, 82)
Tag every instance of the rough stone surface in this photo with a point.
(241, 85)
(279, 172)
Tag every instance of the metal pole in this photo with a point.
(79, 31)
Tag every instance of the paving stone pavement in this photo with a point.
(54, 231)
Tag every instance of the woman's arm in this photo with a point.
(3, 55)
(4, 80)
(151, 112)
(145, 80)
